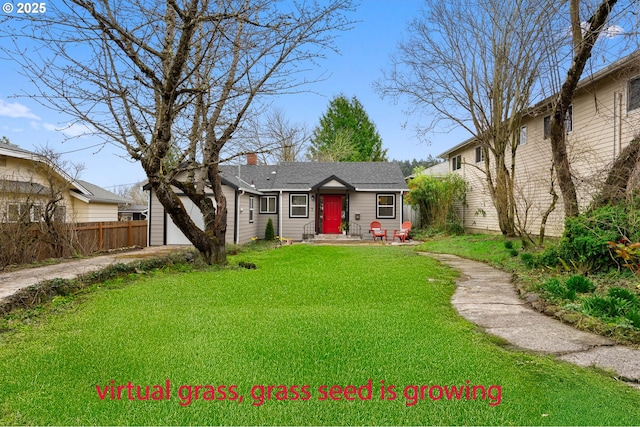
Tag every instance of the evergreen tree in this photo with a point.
(346, 134)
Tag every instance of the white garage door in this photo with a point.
(174, 235)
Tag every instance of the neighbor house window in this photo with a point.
(456, 162)
(386, 206)
(60, 214)
(546, 127)
(299, 206)
(633, 94)
(24, 212)
(568, 120)
(251, 209)
(13, 212)
(479, 154)
(268, 204)
(568, 123)
(523, 135)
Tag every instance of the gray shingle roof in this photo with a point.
(99, 194)
(305, 175)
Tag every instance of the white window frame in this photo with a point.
(251, 208)
(479, 154)
(523, 136)
(456, 162)
(266, 209)
(298, 206)
(633, 96)
(568, 123)
(379, 205)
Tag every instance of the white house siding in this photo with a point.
(602, 127)
(94, 211)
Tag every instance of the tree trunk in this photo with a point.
(582, 52)
(615, 186)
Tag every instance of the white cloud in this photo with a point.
(609, 32)
(613, 31)
(16, 110)
(71, 130)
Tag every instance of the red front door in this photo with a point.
(331, 214)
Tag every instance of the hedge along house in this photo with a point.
(302, 199)
(603, 119)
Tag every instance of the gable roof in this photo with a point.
(99, 194)
(82, 190)
(305, 176)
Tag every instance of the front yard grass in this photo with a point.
(308, 315)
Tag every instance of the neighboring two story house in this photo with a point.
(26, 179)
(302, 199)
(603, 119)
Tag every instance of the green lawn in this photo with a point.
(307, 317)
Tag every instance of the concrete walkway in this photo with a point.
(486, 297)
(12, 281)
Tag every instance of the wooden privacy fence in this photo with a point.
(102, 236)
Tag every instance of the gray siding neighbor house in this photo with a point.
(302, 199)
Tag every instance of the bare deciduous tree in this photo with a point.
(274, 138)
(172, 81)
(584, 39)
(475, 65)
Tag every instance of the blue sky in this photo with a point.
(364, 52)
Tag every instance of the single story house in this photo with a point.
(603, 119)
(302, 199)
(26, 179)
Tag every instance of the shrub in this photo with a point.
(513, 252)
(549, 257)
(528, 259)
(634, 318)
(584, 242)
(580, 284)
(557, 290)
(608, 306)
(624, 294)
(508, 244)
(269, 233)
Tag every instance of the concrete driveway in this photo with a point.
(13, 281)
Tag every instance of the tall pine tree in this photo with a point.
(346, 134)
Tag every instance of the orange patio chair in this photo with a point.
(375, 228)
(403, 233)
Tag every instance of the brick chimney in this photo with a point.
(252, 159)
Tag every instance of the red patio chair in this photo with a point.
(403, 233)
(375, 228)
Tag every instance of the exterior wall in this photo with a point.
(364, 203)
(602, 127)
(16, 169)
(156, 221)
(248, 229)
(293, 228)
(158, 228)
(94, 212)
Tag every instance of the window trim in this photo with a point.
(479, 154)
(306, 205)
(523, 135)
(275, 205)
(637, 103)
(251, 209)
(568, 123)
(378, 205)
(456, 162)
